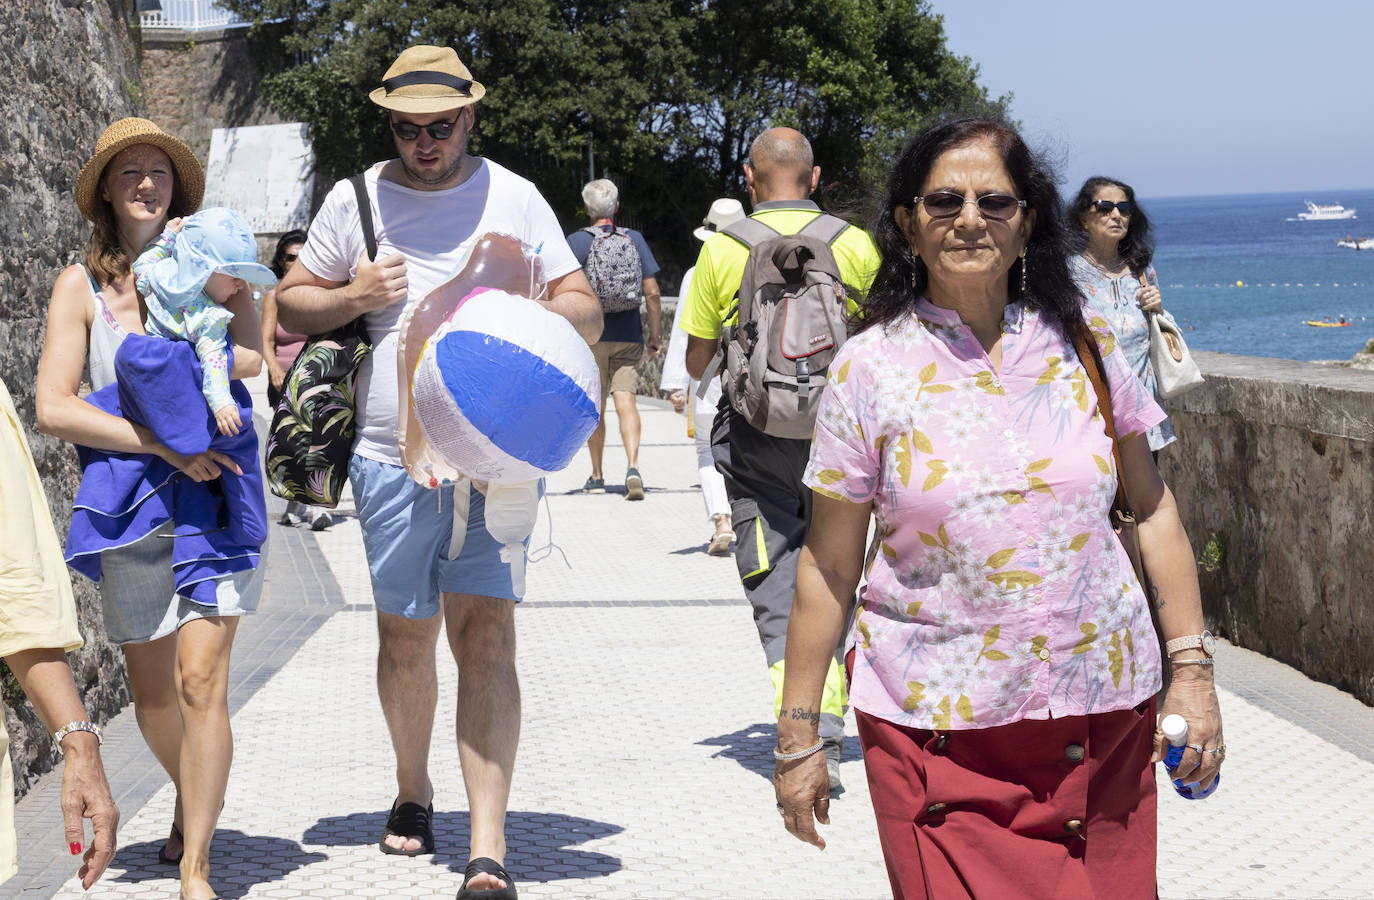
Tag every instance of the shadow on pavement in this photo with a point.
(539, 844)
(272, 858)
(752, 747)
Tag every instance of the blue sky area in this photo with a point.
(1184, 97)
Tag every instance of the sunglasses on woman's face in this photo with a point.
(947, 204)
(1105, 207)
(409, 131)
(288, 257)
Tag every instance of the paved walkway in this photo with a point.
(644, 758)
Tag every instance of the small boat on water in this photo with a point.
(1357, 243)
(1316, 324)
(1317, 212)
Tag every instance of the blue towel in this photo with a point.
(220, 525)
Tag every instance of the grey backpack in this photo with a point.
(791, 324)
(614, 270)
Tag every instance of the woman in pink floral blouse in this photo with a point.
(1003, 661)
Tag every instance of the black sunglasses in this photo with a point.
(288, 257)
(409, 131)
(947, 204)
(1106, 206)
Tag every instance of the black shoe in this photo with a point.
(409, 820)
(487, 866)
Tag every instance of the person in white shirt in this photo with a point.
(682, 391)
(428, 204)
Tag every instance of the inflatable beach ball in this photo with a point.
(506, 390)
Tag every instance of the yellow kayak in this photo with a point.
(1329, 324)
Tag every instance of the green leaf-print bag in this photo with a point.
(311, 438)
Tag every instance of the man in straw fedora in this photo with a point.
(427, 203)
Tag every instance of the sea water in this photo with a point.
(1241, 278)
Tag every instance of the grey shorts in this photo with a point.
(139, 598)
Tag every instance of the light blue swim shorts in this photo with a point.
(407, 532)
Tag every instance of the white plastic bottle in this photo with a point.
(1175, 729)
(511, 511)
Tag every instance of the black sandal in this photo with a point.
(162, 856)
(486, 866)
(411, 821)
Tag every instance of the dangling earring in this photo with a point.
(1023, 274)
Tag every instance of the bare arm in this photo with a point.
(828, 572)
(653, 304)
(572, 298)
(269, 338)
(1167, 555)
(63, 414)
(699, 354)
(246, 334)
(1168, 560)
(309, 304)
(47, 681)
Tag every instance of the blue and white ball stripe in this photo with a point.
(506, 390)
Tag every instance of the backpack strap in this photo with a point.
(825, 227)
(750, 231)
(365, 214)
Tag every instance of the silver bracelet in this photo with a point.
(800, 754)
(67, 729)
(1193, 662)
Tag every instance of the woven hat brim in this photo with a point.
(442, 101)
(190, 173)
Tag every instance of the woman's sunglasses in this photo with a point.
(409, 131)
(288, 257)
(947, 204)
(1106, 206)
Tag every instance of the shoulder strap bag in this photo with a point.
(1122, 513)
(311, 439)
(1175, 370)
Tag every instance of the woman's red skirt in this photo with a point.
(1061, 808)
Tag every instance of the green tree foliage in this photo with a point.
(664, 96)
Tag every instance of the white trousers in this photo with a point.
(712, 482)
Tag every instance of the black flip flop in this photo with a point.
(486, 866)
(162, 856)
(409, 820)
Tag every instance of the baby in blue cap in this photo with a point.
(186, 276)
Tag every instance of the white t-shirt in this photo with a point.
(432, 230)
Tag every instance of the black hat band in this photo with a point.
(424, 76)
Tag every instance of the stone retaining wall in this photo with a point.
(1274, 475)
(72, 71)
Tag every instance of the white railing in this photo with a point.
(190, 15)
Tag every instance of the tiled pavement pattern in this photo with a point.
(644, 757)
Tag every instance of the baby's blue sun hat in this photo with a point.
(213, 240)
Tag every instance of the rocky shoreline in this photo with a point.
(1362, 360)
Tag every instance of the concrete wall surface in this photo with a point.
(1274, 469)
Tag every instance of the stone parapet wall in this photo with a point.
(650, 370)
(195, 82)
(1274, 476)
(72, 71)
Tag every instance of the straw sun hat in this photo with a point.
(426, 79)
(126, 133)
